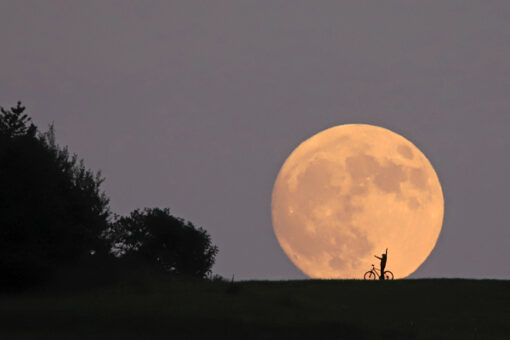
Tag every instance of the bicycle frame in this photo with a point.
(376, 271)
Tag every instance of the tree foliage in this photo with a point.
(169, 242)
(54, 215)
(52, 210)
(14, 123)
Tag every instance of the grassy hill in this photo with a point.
(312, 309)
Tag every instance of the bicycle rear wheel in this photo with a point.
(388, 275)
(370, 275)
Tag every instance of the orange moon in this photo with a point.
(348, 193)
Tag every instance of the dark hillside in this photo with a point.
(189, 309)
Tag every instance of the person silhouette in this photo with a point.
(383, 258)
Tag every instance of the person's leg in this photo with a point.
(382, 272)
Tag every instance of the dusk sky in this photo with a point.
(195, 105)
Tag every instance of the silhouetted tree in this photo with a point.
(14, 123)
(158, 237)
(52, 210)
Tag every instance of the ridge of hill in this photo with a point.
(307, 309)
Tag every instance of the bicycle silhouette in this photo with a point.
(374, 274)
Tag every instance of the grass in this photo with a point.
(311, 309)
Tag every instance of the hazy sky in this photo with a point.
(195, 105)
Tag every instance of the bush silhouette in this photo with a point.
(174, 245)
(52, 211)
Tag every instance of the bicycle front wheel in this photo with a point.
(388, 275)
(370, 275)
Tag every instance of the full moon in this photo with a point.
(348, 193)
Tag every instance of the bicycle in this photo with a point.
(373, 274)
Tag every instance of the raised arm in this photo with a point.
(378, 257)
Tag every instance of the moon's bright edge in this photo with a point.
(348, 193)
